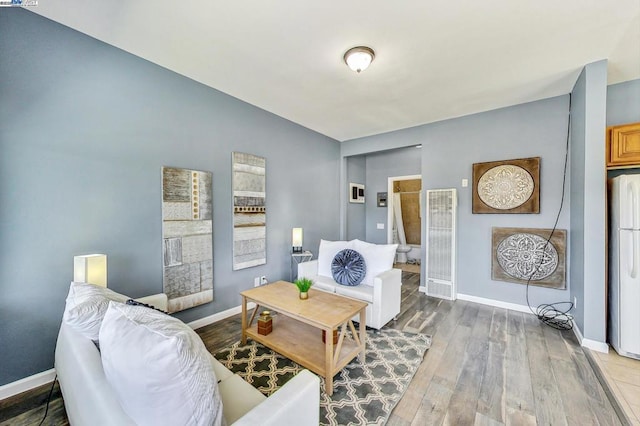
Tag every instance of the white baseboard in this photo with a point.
(219, 316)
(588, 343)
(422, 289)
(577, 332)
(495, 303)
(23, 385)
(595, 345)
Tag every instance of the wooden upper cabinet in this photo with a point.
(623, 145)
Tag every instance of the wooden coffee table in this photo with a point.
(297, 329)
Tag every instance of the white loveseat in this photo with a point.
(90, 400)
(381, 287)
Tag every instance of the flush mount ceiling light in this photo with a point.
(358, 58)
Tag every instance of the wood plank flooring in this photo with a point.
(486, 366)
(622, 376)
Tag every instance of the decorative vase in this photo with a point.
(304, 295)
(265, 323)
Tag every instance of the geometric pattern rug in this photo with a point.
(363, 394)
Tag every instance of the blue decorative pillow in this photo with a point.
(348, 267)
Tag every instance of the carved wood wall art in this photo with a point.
(510, 186)
(520, 253)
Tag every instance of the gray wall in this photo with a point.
(537, 129)
(578, 117)
(623, 103)
(381, 166)
(449, 150)
(383, 142)
(356, 214)
(85, 130)
(588, 192)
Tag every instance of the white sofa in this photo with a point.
(90, 400)
(382, 294)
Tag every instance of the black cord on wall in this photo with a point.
(556, 314)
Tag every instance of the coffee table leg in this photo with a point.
(328, 362)
(363, 333)
(244, 320)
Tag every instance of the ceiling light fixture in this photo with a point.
(358, 58)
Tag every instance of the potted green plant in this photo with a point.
(303, 284)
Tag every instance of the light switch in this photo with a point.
(380, 226)
(465, 183)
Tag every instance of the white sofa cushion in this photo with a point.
(158, 367)
(360, 292)
(86, 305)
(378, 258)
(324, 283)
(326, 252)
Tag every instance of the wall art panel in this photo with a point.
(520, 253)
(510, 186)
(249, 210)
(187, 245)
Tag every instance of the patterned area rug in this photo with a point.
(362, 395)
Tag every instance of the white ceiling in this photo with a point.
(435, 59)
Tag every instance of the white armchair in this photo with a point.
(383, 297)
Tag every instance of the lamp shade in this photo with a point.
(90, 268)
(296, 239)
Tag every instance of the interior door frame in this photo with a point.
(390, 181)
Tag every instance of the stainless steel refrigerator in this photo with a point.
(624, 265)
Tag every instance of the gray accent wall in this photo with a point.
(577, 232)
(380, 167)
(356, 214)
(623, 103)
(373, 170)
(85, 131)
(449, 150)
(588, 192)
(536, 129)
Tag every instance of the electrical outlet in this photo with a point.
(263, 280)
(465, 183)
(380, 226)
(256, 282)
(575, 302)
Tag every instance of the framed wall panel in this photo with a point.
(249, 210)
(356, 193)
(187, 243)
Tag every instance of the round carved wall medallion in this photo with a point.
(505, 187)
(520, 254)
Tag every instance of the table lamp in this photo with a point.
(296, 240)
(90, 268)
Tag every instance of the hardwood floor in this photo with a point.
(622, 376)
(486, 366)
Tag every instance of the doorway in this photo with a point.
(404, 220)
